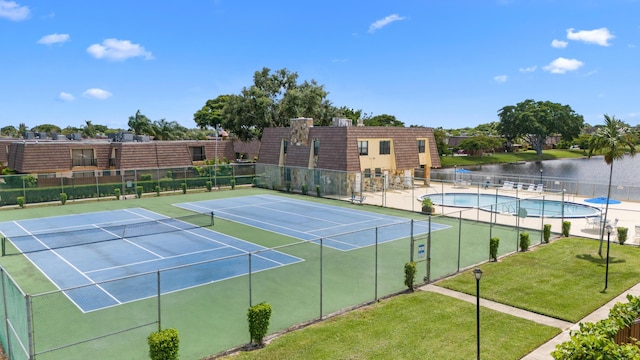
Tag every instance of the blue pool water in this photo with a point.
(512, 205)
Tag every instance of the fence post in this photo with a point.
(32, 351)
(159, 306)
(250, 284)
(6, 313)
(459, 238)
(321, 246)
(542, 222)
(412, 245)
(376, 268)
(428, 276)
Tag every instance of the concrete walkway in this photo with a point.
(544, 351)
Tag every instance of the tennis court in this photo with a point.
(74, 251)
(339, 227)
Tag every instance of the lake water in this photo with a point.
(583, 176)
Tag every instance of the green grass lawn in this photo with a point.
(499, 158)
(563, 280)
(421, 325)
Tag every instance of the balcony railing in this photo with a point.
(84, 162)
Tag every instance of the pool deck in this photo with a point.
(627, 213)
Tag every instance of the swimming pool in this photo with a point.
(513, 205)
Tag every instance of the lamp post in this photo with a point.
(541, 176)
(478, 274)
(609, 228)
(455, 173)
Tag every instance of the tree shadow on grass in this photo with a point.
(600, 260)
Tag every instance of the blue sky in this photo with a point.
(448, 63)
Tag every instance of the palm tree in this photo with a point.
(613, 140)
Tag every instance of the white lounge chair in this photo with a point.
(532, 187)
(508, 185)
(520, 186)
(539, 188)
(594, 222)
(637, 235)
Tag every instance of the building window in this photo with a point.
(197, 153)
(83, 157)
(285, 145)
(421, 144)
(367, 173)
(378, 172)
(385, 147)
(316, 147)
(363, 147)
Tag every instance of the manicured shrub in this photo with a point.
(209, 185)
(287, 185)
(622, 234)
(63, 198)
(233, 184)
(138, 192)
(157, 190)
(409, 274)
(145, 177)
(566, 226)
(318, 190)
(116, 192)
(524, 241)
(494, 243)
(259, 316)
(184, 188)
(304, 189)
(20, 201)
(546, 232)
(164, 345)
(598, 340)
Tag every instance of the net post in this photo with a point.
(212, 216)
(3, 242)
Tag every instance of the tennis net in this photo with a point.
(99, 233)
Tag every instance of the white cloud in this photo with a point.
(559, 44)
(500, 78)
(598, 36)
(118, 50)
(53, 38)
(66, 97)
(96, 93)
(379, 24)
(562, 65)
(12, 11)
(529, 69)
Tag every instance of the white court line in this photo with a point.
(208, 238)
(130, 242)
(154, 260)
(70, 265)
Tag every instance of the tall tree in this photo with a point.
(272, 100)
(168, 130)
(536, 120)
(140, 124)
(9, 130)
(613, 140)
(47, 129)
(211, 114)
(22, 129)
(383, 120)
(88, 130)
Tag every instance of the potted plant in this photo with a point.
(427, 206)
